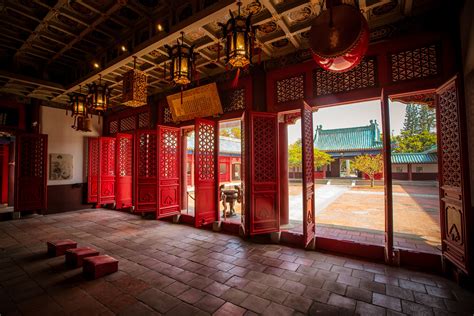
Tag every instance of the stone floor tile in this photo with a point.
(200, 282)
(234, 296)
(298, 303)
(372, 286)
(335, 287)
(387, 301)
(341, 301)
(386, 279)
(191, 295)
(275, 309)
(412, 308)
(323, 309)
(216, 288)
(414, 286)
(429, 300)
(349, 280)
(275, 295)
(176, 288)
(369, 309)
(359, 294)
(237, 282)
(255, 288)
(137, 309)
(439, 292)
(255, 303)
(229, 309)
(158, 300)
(399, 292)
(183, 309)
(361, 274)
(293, 287)
(316, 294)
(209, 303)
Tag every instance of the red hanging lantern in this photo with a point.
(339, 38)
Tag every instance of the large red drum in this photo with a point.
(339, 46)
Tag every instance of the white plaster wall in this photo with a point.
(467, 43)
(396, 166)
(427, 168)
(62, 139)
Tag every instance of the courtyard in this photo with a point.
(175, 269)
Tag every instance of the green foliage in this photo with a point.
(295, 154)
(370, 165)
(417, 134)
(415, 143)
(233, 132)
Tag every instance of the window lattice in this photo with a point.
(234, 100)
(450, 138)
(32, 156)
(167, 118)
(417, 63)
(290, 89)
(128, 123)
(264, 138)
(125, 156)
(144, 120)
(147, 155)
(169, 151)
(205, 151)
(362, 76)
(113, 127)
(108, 150)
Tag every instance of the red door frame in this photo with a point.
(309, 226)
(145, 188)
(264, 181)
(93, 170)
(4, 155)
(30, 172)
(169, 171)
(206, 176)
(124, 170)
(107, 170)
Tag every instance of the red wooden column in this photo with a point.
(284, 190)
(93, 170)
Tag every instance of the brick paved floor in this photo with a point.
(179, 270)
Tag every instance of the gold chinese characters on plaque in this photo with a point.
(198, 102)
(134, 93)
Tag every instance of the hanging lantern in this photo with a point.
(99, 96)
(239, 38)
(78, 103)
(339, 38)
(182, 62)
(134, 87)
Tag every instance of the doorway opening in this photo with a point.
(230, 171)
(7, 175)
(188, 164)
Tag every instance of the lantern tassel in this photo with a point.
(235, 82)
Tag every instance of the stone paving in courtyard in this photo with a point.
(179, 270)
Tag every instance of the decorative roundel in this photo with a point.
(381, 32)
(215, 47)
(268, 27)
(253, 8)
(300, 15)
(82, 10)
(385, 8)
(149, 3)
(280, 43)
(211, 66)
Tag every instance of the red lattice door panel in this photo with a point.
(454, 177)
(205, 174)
(124, 170)
(30, 172)
(92, 170)
(106, 170)
(264, 178)
(168, 171)
(145, 195)
(243, 174)
(308, 173)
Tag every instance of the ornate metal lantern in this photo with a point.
(182, 62)
(339, 38)
(78, 107)
(134, 87)
(98, 96)
(239, 39)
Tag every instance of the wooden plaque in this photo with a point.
(202, 101)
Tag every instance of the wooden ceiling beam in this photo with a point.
(279, 20)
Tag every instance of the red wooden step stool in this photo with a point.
(58, 247)
(98, 266)
(75, 256)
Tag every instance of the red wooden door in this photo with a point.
(308, 173)
(107, 170)
(4, 155)
(244, 174)
(454, 177)
(205, 172)
(124, 168)
(30, 172)
(145, 171)
(169, 168)
(93, 170)
(264, 178)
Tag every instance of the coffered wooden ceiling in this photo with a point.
(48, 48)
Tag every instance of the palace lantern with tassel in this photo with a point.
(134, 87)
(99, 96)
(339, 37)
(182, 62)
(78, 107)
(239, 39)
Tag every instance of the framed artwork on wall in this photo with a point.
(60, 167)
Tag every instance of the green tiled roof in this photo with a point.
(347, 139)
(403, 158)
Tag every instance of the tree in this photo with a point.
(415, 143)
(370, 165)
(426, 118)
(295, 154)
(411, 123)
(233, 132)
